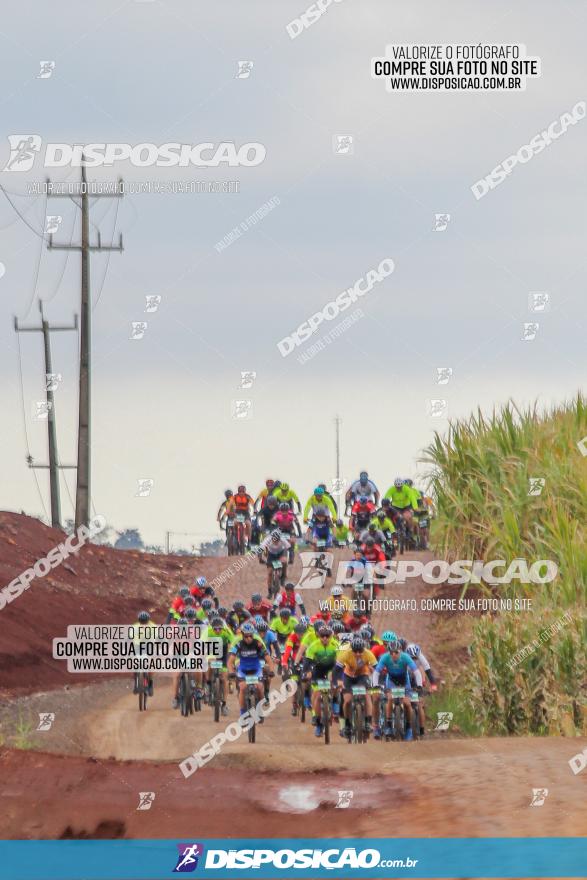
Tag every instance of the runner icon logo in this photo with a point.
(189, 855)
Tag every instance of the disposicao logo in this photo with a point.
(187, 860)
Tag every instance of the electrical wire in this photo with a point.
(26, 436)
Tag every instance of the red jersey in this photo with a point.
(242, 502)
(355, 623)
(197, 592)
(262, 610)
(178, 605)
(378, 650)
(363, 510)
(373, 554)
(291, 646)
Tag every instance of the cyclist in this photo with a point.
(379, 648)
(237, 615)
(248, 650)
(402, 501)
(243, 503)
(319, 663)
(217, 629)
(275, 550)
(361, 514)
(363, 486)
(356, 620)
(261, 498)
(177, 604)
(372, 531)
(288, 598)
(200, 587)
(383, 521)
(268, 636)
(357, 663)
(287, 522)
(341, 533)
(267, 513)
(283, 625)
(422, 668)
(204, 611)
(319, 499)
(226, 509)
(142, 636)
(292, 646)
(259, 607)
(286, 495)
(338, 601)
(321, 526)
(396, 665)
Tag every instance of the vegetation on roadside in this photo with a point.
(528, 670)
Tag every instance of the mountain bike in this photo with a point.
(398, 714)
(216, 683)
(422, 530)
(230, 537)
(142, 686)
(325, 689)
(251, 682)
(189, 699)
(320, 561)
(358, 714)
(275, 585)
(415, 702)
(240, 534)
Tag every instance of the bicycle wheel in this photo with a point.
(326, 718)
(183, 696)
(398, 721)
(301, 703)
(250, 707)
(216, 700)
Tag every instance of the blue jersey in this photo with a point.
(397, 670)
(270, 638)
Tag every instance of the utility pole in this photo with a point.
(82, 494)
(53, 465)
(337, 422)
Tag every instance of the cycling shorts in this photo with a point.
(349, 682)
(327, 539)
(320, 672)
(249, 668)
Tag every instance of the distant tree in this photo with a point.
(211, 548)
(129, 539)
(154, 548)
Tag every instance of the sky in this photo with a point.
(163, 405)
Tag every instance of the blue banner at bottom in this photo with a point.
(289, 858)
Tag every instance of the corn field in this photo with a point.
(482, 477)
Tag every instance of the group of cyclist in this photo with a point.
(376, 525)
(338, 643)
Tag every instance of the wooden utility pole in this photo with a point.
(53, 465)
(82, 494)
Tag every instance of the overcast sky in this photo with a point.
(162, 406)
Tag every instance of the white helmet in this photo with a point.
(336, 590)
(413, 651)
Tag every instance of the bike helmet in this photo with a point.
(189, 600)
(345, 637)
(386, 502)
(247, 629)
(290, 586)
(409, 483)
(270, 483)
(284, 612)
(189, 613)
(367, 631)
(300, 629)
(337, 614)
(228, 493)
(207, 604)
(305, 620)
(394, 645)
(325, 631)
(413, 651)
(241, 490)
(380, 514)
(398, 482)
(272, 501)
(258, 620)
(363, 499)
(144, 617)
(285, 487)
(262, 626)
(184, 591)
(357, 612)
(388, 636)
(238, 605)
(363, 477)
(182, 621)
(357, 645)
(201, 581)
(256, 599)
(222, 611)
(318, 491)
(337, 627)
(336, 590)
(277, 484)
(217, 623)
(209, 591)
(370, 542)
(403, 643)
(284, 506)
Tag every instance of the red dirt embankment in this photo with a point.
(95, 585)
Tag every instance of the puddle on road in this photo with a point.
(298, 798)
